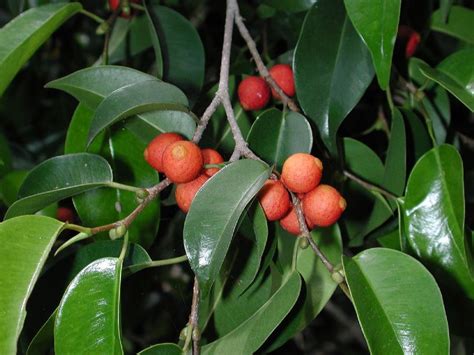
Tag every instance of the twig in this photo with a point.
(194, 318)
(369, 186)
(262, 69)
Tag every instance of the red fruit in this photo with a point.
(182, 161)
(254, 93)
(211, 156)
(65, 214)
(301, 172)
(412, 44)
(275, 200)
(113, 4)
(154, 151)
(324, 205)
(185, 193)
(291, 225)
(283, 76)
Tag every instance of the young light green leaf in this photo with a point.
(88, 316)
(250, 335)
(21, 37)
(377, 23)
(275, 135)
(133, 99)
(398, 303)
(455, 74)
(58, 178)
(26, 242)
(91, 85)
(434, 215)
(331, 75)
(459, 24)
(214, 214)
(162, 349)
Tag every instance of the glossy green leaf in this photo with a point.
(21, 37)
(88, 316)
(445, 7)
(434, 215)
(331, 75)
(133, 99)
(455, 74)
(58, 178)
(125, 152)
(458, 25)
(250, 335)
(42, 342)
(398, 303)
(377, 23)
(91, 85)
(224, 141)
(319, 284)
(418, 139)
(162, 349)
(10, 185)
(181, 49)
(26, 242)
(275, 135)
(214, 214)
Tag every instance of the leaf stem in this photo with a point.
(123, 252)
(369, 186)
(117, 185)
(92, 16)
(77, 228)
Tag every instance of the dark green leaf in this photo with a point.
(445, 7)
(10, 185)
(391, 240)
(250, 335)
(26, 242)
(91, 85)
(331, 75)
(275, 135)
(125, 153)
(22, 36)
(459, 24)
(455, 74)
(5, 156)
(377, 23)
(133, 99)
(418, 139)
(434, 215)
(58, 178)
(162, 349)
(88, 316)
(181, 49)
(398, 303)
(214, 213)
(43, 340)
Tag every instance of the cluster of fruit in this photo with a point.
(301, 174)
(183, 163)
(254, 92)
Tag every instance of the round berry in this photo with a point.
(301, 172)
(65, 214)
(283, 76)
(254, 93)
(182, 161)
(324, 205)
(211, 156)
(291, 225)
(275, 200)
(154, 151)
(185, 193)
(412, 44)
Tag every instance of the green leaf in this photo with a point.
(21, 37)
(398, 303)
(275, 135)
(88, 316)
(214, 213)
(434, 216)
(162, 349)
(10, 185)
(455, 74)
(377, 23)
(319, 284)
(59, 178)
(43, 340)
(250, 335)
(26, 242)
(459, 24)
(181, 49)
(331, 75)
(445, 7)
(134, 99)
(125, 152)
(418, 139)
(5, 156)
(91, 85)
